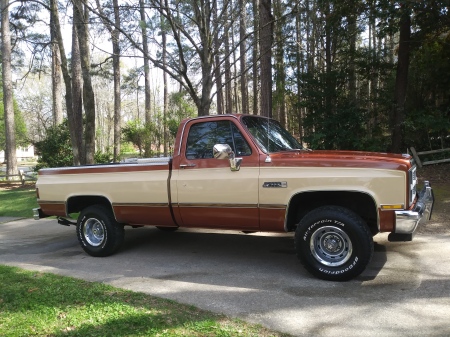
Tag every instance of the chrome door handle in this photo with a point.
(186, 165)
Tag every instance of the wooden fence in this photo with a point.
(416, 155)
(23, 176)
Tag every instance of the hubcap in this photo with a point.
(331, 246)
(94, 232)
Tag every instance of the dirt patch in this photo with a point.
(436, 174)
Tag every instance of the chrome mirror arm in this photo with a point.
(224, 151)
(235, 164)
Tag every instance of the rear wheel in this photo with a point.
(333, 243)
(98, 232)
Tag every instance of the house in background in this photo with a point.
(22, 154)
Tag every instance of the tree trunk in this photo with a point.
(255, 56)
(401, 81)
(351, 65)
(165, 90)
(147, 94)
(329, 88)
(328, 65)
(228, 86)
(236, 102)
(299, 70)
(77, 93)
(72, 119)
(266, 24)
(203, 16)
(88, 92)
(280, 76)
(204, 104)
(242, 55)
(115, 35)
(8, 107)
(314, 38)
(56, 72)
(217, 65)
(114, 30)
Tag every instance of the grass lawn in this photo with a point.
(17, 200)
(41, 304)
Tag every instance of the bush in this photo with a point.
(55, 150)
(103, 158)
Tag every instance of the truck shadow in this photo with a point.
(229, 258)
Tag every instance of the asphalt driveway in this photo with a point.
(256, 277)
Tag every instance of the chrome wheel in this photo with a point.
(94, 232)
(333, 243)
(331, 246)
(98, 231)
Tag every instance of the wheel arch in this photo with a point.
(76, 204)
(361, 203)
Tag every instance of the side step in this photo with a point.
(396, 237)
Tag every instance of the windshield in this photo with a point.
(270, 135)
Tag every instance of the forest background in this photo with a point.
(89, 80)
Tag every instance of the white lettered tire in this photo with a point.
(333, 243)
(98, 232)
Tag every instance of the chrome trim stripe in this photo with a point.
(158, 163)
(140, 205)
(47, 202)
(268, 206)
(218, 205)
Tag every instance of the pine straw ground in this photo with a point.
(439, 177)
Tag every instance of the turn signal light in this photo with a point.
(387, 207)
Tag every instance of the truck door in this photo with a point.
(209, 194)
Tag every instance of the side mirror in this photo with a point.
(224, 151)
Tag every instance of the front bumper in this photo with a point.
(407, 221)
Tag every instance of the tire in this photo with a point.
(98, 232)
(167, 229)
(333, 243)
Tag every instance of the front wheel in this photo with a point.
(98, 232)
(333, 243)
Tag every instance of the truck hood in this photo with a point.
(360, 159)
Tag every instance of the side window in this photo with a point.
(203, 136)
(241, 146)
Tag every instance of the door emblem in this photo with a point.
(275, 184)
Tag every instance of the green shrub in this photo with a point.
(55, 150)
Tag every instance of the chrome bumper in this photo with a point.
(406, 222)
(37, 214)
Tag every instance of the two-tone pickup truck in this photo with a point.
(246, 173)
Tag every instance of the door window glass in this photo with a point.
(203, 136)
(241, 147)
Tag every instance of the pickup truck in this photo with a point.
(246, 173)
